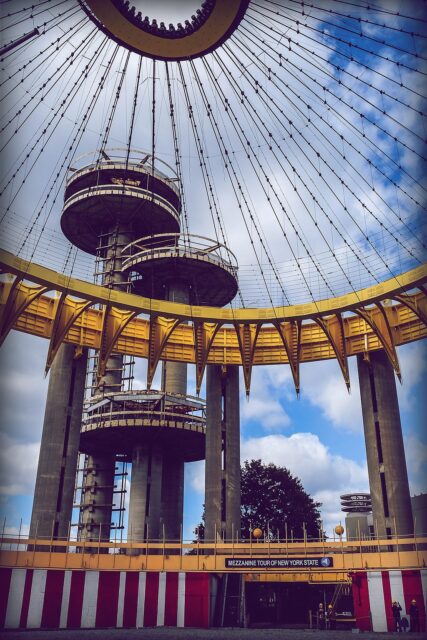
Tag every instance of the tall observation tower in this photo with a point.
(126, 212)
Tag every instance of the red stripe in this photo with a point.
(130, 606)
(26, 599)
(171, 599)
(196, 612)
(413, 589)
(52, 599)
(151, 597)
(387, 600)
(75, 603)
(108, 598)
(5, 577)
(362, 611)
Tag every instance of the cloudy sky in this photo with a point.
(336, 128)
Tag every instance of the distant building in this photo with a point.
(359, 520)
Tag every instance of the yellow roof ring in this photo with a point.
(311, 310)
(219, 24)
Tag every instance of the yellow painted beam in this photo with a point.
(348, 557)
(112, 321)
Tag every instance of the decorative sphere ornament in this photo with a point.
(257, 533)
(339, 530)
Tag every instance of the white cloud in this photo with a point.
(323, 386)
(18, 467)
(413, 364)
(270, 386)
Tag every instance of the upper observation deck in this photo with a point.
(122, 190)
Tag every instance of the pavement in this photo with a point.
(170, 633)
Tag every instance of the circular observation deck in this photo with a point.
(119, 421)
(115, 190)
(356, 503)
(207, 267)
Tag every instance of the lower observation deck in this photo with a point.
(119, 421)
(209, 267)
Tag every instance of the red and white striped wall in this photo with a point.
(375, 591)
(52, 599)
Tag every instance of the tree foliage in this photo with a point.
(275, 501)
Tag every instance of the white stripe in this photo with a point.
(65, 600)
(181, 600)
(424, 583)
(376, 601)
(121, 599)
(90, 598)
(35, 608)
(161, 599)
(396, 587)
(141, 600)
(14, 602)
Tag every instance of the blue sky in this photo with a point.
(318, 436)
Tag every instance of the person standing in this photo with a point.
(414, 612)
(396, 608)
(331, 617)
(321, 617)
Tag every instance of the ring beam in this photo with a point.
(222, 20)
(335, 328)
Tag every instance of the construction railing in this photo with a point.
(307, 557)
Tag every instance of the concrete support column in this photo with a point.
(138, 495)
(232, 453)
(156, 501)
(145, 494)
(213, 455)
(98, 486)
(56, 472)
(388, 478)
(154, 493)
(222, 475)
(174, 380)
(98, 495)
(172, 496)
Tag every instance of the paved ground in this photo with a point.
(196, 634)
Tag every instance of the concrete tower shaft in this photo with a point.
(193, 270)
(56, 471)
(222, 472)
(388, 477)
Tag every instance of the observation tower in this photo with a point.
(301, 135)
(126, 212)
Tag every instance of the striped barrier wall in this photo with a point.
(375, 591)
(53, 598)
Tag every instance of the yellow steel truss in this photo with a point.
(348, 557)
(39, 301)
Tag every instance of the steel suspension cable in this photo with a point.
(270, 100)
(236, 185)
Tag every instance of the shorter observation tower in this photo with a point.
(124, 208)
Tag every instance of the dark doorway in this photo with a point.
(283, 604)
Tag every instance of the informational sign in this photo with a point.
(279, 563)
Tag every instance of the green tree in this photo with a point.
(275, 501)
